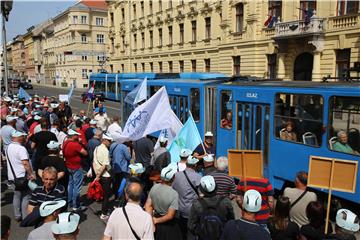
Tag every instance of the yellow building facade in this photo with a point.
(292, 39)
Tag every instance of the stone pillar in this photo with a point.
(316, 72)
(281, 65)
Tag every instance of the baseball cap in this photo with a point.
(209, 134)
(17, 134)
(136, 168)
(107, 137)
(163, 139)
(10, 118)
(208, 158)
(185, 153)
(207, 183)
(167, 173)
(192, 160)
(66, 223)
(53, 145)
(48, 207)
(37, 117)
(13, 109)
(252, 201)
(347, 220)
(71, 132)
(37, 106)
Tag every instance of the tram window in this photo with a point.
(344, 124)
(298, 118)
(111, 87)
(100, 86)
(154, 89)
(195, 103)
(226, 110)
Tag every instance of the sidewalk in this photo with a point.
(57, 87)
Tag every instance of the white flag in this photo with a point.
(138, 94)
(170, 133)
(149, 117)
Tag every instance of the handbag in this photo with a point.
(20, 183)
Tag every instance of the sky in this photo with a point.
(26, 13)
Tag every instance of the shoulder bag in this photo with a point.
(20, 183)
(192, 186)
(298, 199)
(127, 219)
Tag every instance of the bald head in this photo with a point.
(134, 191)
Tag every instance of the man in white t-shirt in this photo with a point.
(119, 228)
(114, 129)
(19, 159)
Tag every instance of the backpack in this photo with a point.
(210, 225)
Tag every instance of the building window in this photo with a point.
(83, 19)
(193, 31)
(134, 10)
(123, 14)
(207, 28)
(160, 37)
(143, 67)
(112, 18)
(151, 67)
(135, 67)
(101, 58)
(207, 64)
(271, 66)
(239, 17)
(135, 41)
(151, 39)
(75, 19)
(84, 73)
(193, 65)
(170, 66)
(275, 8)
(160, 67)
(84, 57)
(142, 40)
(123, 42)
(151, 6)
(169, 4)
(100, 38)
(345, 7)
(181, 66)
(236, 65)
(83, 38)
(142, 8)
(181, 27)
(307, 8)
(160, 5)
(99, 22)
(170, 35)
(342, 62)
(122, 68)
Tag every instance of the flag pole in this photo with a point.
(202, 143)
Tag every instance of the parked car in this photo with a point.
(26, 85)
(100, 95)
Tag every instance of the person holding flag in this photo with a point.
(207, 148)
(90, 93)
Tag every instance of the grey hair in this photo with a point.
(222, 163)
(134, 193)
(51, 170)
(98, 133)
(341, 133)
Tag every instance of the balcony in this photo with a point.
(299, 28)
(344, 22)
(80, 27)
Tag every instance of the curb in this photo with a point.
(57, 87)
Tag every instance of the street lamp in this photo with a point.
(6, 7)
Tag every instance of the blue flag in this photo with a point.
(70, 93)
(188, 137)
(24, 94)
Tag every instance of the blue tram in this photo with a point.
(255, 115)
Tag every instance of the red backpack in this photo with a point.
(95, 191)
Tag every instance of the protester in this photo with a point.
(49, 210)
(143, 149)
(66, 226)
(90, 131)
(162, 204)
(114, 128)
(102, 119)
(208, 145)
(130, 221)
(7, 130)
(246, 227)
(50, 191)
(86, 124)
(225, 184)
(184, 154)
(347, 224)
(186, 184)
(18, 166)
(60, 135)
(161, 156)
(73, 152)
(5, 227)
(209, 164)
(209, 213)
(280, 225)
(82, 138)
(299, 198)
(92, 144)
(102, 166)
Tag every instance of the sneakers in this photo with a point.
(79, 209)
(104, 216)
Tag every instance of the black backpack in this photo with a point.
(211, 225)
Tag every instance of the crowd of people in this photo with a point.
(49, 152)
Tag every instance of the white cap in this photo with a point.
(54, 105)
(76, 117)
(37, 117)
(209, 158)
(32, 185)
(136, 168)
(209, 134)
(13, 109)
(252, 201)
(107, 137)
(346, 220)
(71, 132)
(10, 118)
(47, 208)
(37, 106)
(7, 99)
(93, 122)
(17, 134)
(185, 153)
(66, 223)
(167, 173)
(53, 145)
(208, 183)
(163, 139)
(192, 160)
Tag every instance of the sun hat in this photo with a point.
(207, 184)
(71, 132)
(107, 137)
(10, 118)
(163, 139)
(209, 134)
(17, 134)
(252, 201)
(167, 173)
(7, 99)
(47, 208)
(53, 145)
(37, 117)
(184, 153)
(209, 158)
(346, 220)
(54, 105)
(66, 223)
(136, 168)
(192, 160)
(93, 122)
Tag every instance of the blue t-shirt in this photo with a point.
(119, 157)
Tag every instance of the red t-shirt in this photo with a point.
(72, 156)
(84, 127)
(82, 136)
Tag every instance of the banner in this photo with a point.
(170, 133)
(149, 117)
(24, 94)
(188, 137)
(138, 94)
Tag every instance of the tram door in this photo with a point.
(253, 127)
(179, 104)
